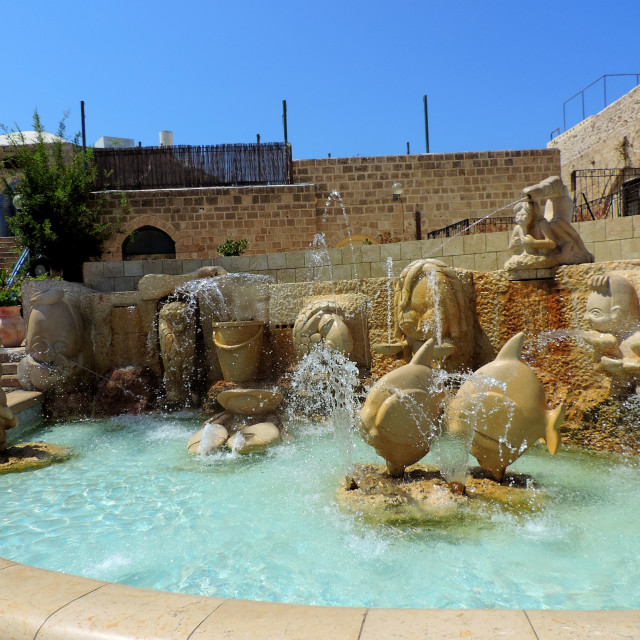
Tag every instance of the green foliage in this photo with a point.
(232, 247)
(55, 220)
(10, 296)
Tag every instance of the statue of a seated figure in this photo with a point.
(613, 313)
(540, 242)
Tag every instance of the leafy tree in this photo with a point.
(56, 219)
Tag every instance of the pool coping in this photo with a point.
(47, 605)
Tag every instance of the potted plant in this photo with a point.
(11, 321)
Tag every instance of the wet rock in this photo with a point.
(68, 406)
(257, 437)
(250, 402)
(210, 438)
(422, 495)
(128, 390)
(31, 455)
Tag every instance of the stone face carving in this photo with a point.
(430, 302)
(177, 337)
(400, 415)
(337, 321)
(54, 343)
(613, 314)
(541, 242)
(501, 410)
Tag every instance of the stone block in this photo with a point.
(114, 269)
(497, 241)
(486, 261)
(342, 271)
(294, 259)
(123, 284)
(151, 266)
(618, 228)
(636, 226)
(170, 267)
(240, 264)
(592, 231)
(432, 248)
(258, 263)
(336, 255)
(370, 253)
(608, 250)
(276, 261)
(464, 262)
(304, 274)
(361, 271)
(285, 275)
(190, 265)
(393, 250)
(133, 268)
(323, 274)
(453, 246)
(104, 285)
(91, 270)
(411, 250)
(630, 249)
(476, 243)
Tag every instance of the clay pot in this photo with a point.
(11, 326)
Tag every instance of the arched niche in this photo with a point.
(356, 239)
(148, 242)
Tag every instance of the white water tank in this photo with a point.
(166, 138)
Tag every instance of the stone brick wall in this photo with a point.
(445, 188)
(608, 240)
(608, 140)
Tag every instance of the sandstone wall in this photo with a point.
(610, 139)
(445, 188)
(610, 239)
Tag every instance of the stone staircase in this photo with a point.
(9, 253)
(9, 358)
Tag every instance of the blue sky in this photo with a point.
(353, 72)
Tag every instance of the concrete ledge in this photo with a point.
(56, 606)
(21, 400)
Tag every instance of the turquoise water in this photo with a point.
(134, 507)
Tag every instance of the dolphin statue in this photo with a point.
(400, 414)
(502, 410)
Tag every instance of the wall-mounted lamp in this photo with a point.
(397, 190)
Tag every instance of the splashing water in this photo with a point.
(389, 278)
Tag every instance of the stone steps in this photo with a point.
(9, 358)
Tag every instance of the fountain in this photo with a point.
(460, 373)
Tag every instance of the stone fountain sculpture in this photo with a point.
(7, 420)
(177, 337)
(338, 321)
(542, 242)
(430, 302)
(501, 411)
(399, 418)
(54, 344)
(613, 314)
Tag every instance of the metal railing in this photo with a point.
(605, 193)
(581, 95)
(474, 225)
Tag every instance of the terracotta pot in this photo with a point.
(11, 326)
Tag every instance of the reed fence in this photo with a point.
(200, 166)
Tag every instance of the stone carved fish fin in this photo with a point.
(512, 348)
(424, 355)
(552, 432)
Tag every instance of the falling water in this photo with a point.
(389, 277)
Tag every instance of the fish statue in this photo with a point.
(501, 410)
(400, 415)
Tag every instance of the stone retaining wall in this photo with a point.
(611, 239)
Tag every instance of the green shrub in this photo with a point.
(232, 247)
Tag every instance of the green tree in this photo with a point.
(56, 220)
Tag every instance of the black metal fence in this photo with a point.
(474, 225)
(185, 166)
(605, 193)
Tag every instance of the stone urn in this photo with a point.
(239, 347)
(11, 326)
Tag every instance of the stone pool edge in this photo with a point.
(36, 603)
